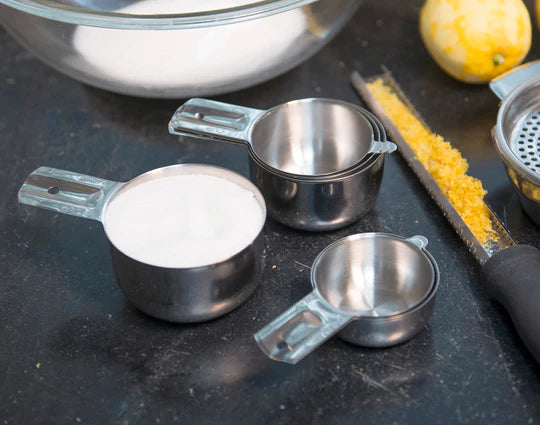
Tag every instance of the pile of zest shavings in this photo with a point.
(445, 163)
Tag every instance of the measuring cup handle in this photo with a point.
(419, 240)
(382, 147)
(506, 82)
(211, 119)
(67, 192)
(302, 328)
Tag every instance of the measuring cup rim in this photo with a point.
(365, 163)
(299, 178)
(197, 166)
(421, 304)
(426, 298)
(356, 108)
(499, 139)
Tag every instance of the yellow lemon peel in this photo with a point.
(445, 163)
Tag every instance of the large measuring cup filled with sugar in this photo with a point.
(188, 266)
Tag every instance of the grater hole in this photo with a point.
(527, 163)
(523, 156)
(529, 140)
(522, 149)
(529, 122)
(525, 129)
(521, 135)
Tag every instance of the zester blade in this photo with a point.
(481, 251)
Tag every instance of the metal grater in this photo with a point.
(481, 251)
(525, 140)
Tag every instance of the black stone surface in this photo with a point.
(72, 350)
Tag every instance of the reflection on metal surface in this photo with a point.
(309, 202)
(302, 138)
(375, 289)
(517, 136)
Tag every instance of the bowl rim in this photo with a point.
(51, 9)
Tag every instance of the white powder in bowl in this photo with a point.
(184, 220)
(192, 56)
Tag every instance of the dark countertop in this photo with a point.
(74, 351)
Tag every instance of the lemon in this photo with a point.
(476, 40)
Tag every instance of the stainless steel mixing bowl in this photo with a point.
(163, 48)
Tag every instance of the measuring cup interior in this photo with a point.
(365, 163)
(176, 170)
(312, 137)
(373, 275)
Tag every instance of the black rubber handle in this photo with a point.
(512, 277)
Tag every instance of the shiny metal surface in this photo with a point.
(319, 205)
(375, 289)
(304, 138)
(323, 204)
(516, 135)
(67, 192)
(306, 202)
(47, 29)
(312, 137)
(175, 294)
(372, 276)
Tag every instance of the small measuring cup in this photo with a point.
(188, 294)
(375, 289)
(307, 202)
(307, 138)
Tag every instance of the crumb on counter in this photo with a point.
(445, 163)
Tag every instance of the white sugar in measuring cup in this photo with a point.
(176, 294)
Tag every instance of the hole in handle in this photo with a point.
(53, 190)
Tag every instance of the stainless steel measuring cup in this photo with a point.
(375, 289)
(335, 130)
(517, 133)
(191, 294)
(307, 137)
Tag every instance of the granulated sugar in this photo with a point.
(187, 57)
(183, 221)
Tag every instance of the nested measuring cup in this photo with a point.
(308, 138)
(176, 294)
(318, 162)
(375, 289)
